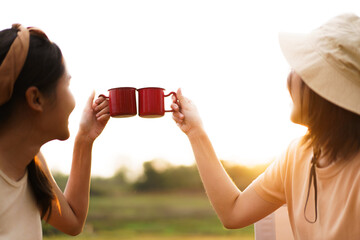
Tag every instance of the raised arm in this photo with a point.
(70, 211)
(235, 209)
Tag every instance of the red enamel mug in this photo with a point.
(152, 101)
(122, 102)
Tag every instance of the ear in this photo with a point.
(34, 99)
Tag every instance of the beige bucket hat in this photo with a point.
(328, 60)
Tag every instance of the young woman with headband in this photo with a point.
(318, 176)
(35, 104)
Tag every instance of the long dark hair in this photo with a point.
(334, 130)
(43, 68)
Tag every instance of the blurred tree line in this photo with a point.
(160, 176)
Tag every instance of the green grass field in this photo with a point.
(114, 236)
(171, 216)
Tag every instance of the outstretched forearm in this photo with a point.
(219, 187)
(78, 186)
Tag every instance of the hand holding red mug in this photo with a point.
(186, 114)
(94, 118)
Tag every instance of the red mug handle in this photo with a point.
(172, 93)
(102, 95)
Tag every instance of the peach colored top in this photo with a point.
(19, 214)
(286, 182)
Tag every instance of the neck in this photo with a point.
(18, 146)
(322, 162)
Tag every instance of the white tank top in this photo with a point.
(19, 215)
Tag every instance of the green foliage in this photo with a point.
(184, 178)
(114, 186)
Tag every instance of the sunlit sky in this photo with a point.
(223, 54)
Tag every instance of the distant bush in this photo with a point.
(115, 185)
(185, 178)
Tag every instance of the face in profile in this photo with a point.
(299, 97)
(59, 110)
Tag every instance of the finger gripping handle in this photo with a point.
(172, 93)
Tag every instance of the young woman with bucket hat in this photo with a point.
(318, 176)
(35, 104)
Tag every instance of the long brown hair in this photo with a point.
(41, 187)
(43, 68)
(334, 130)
